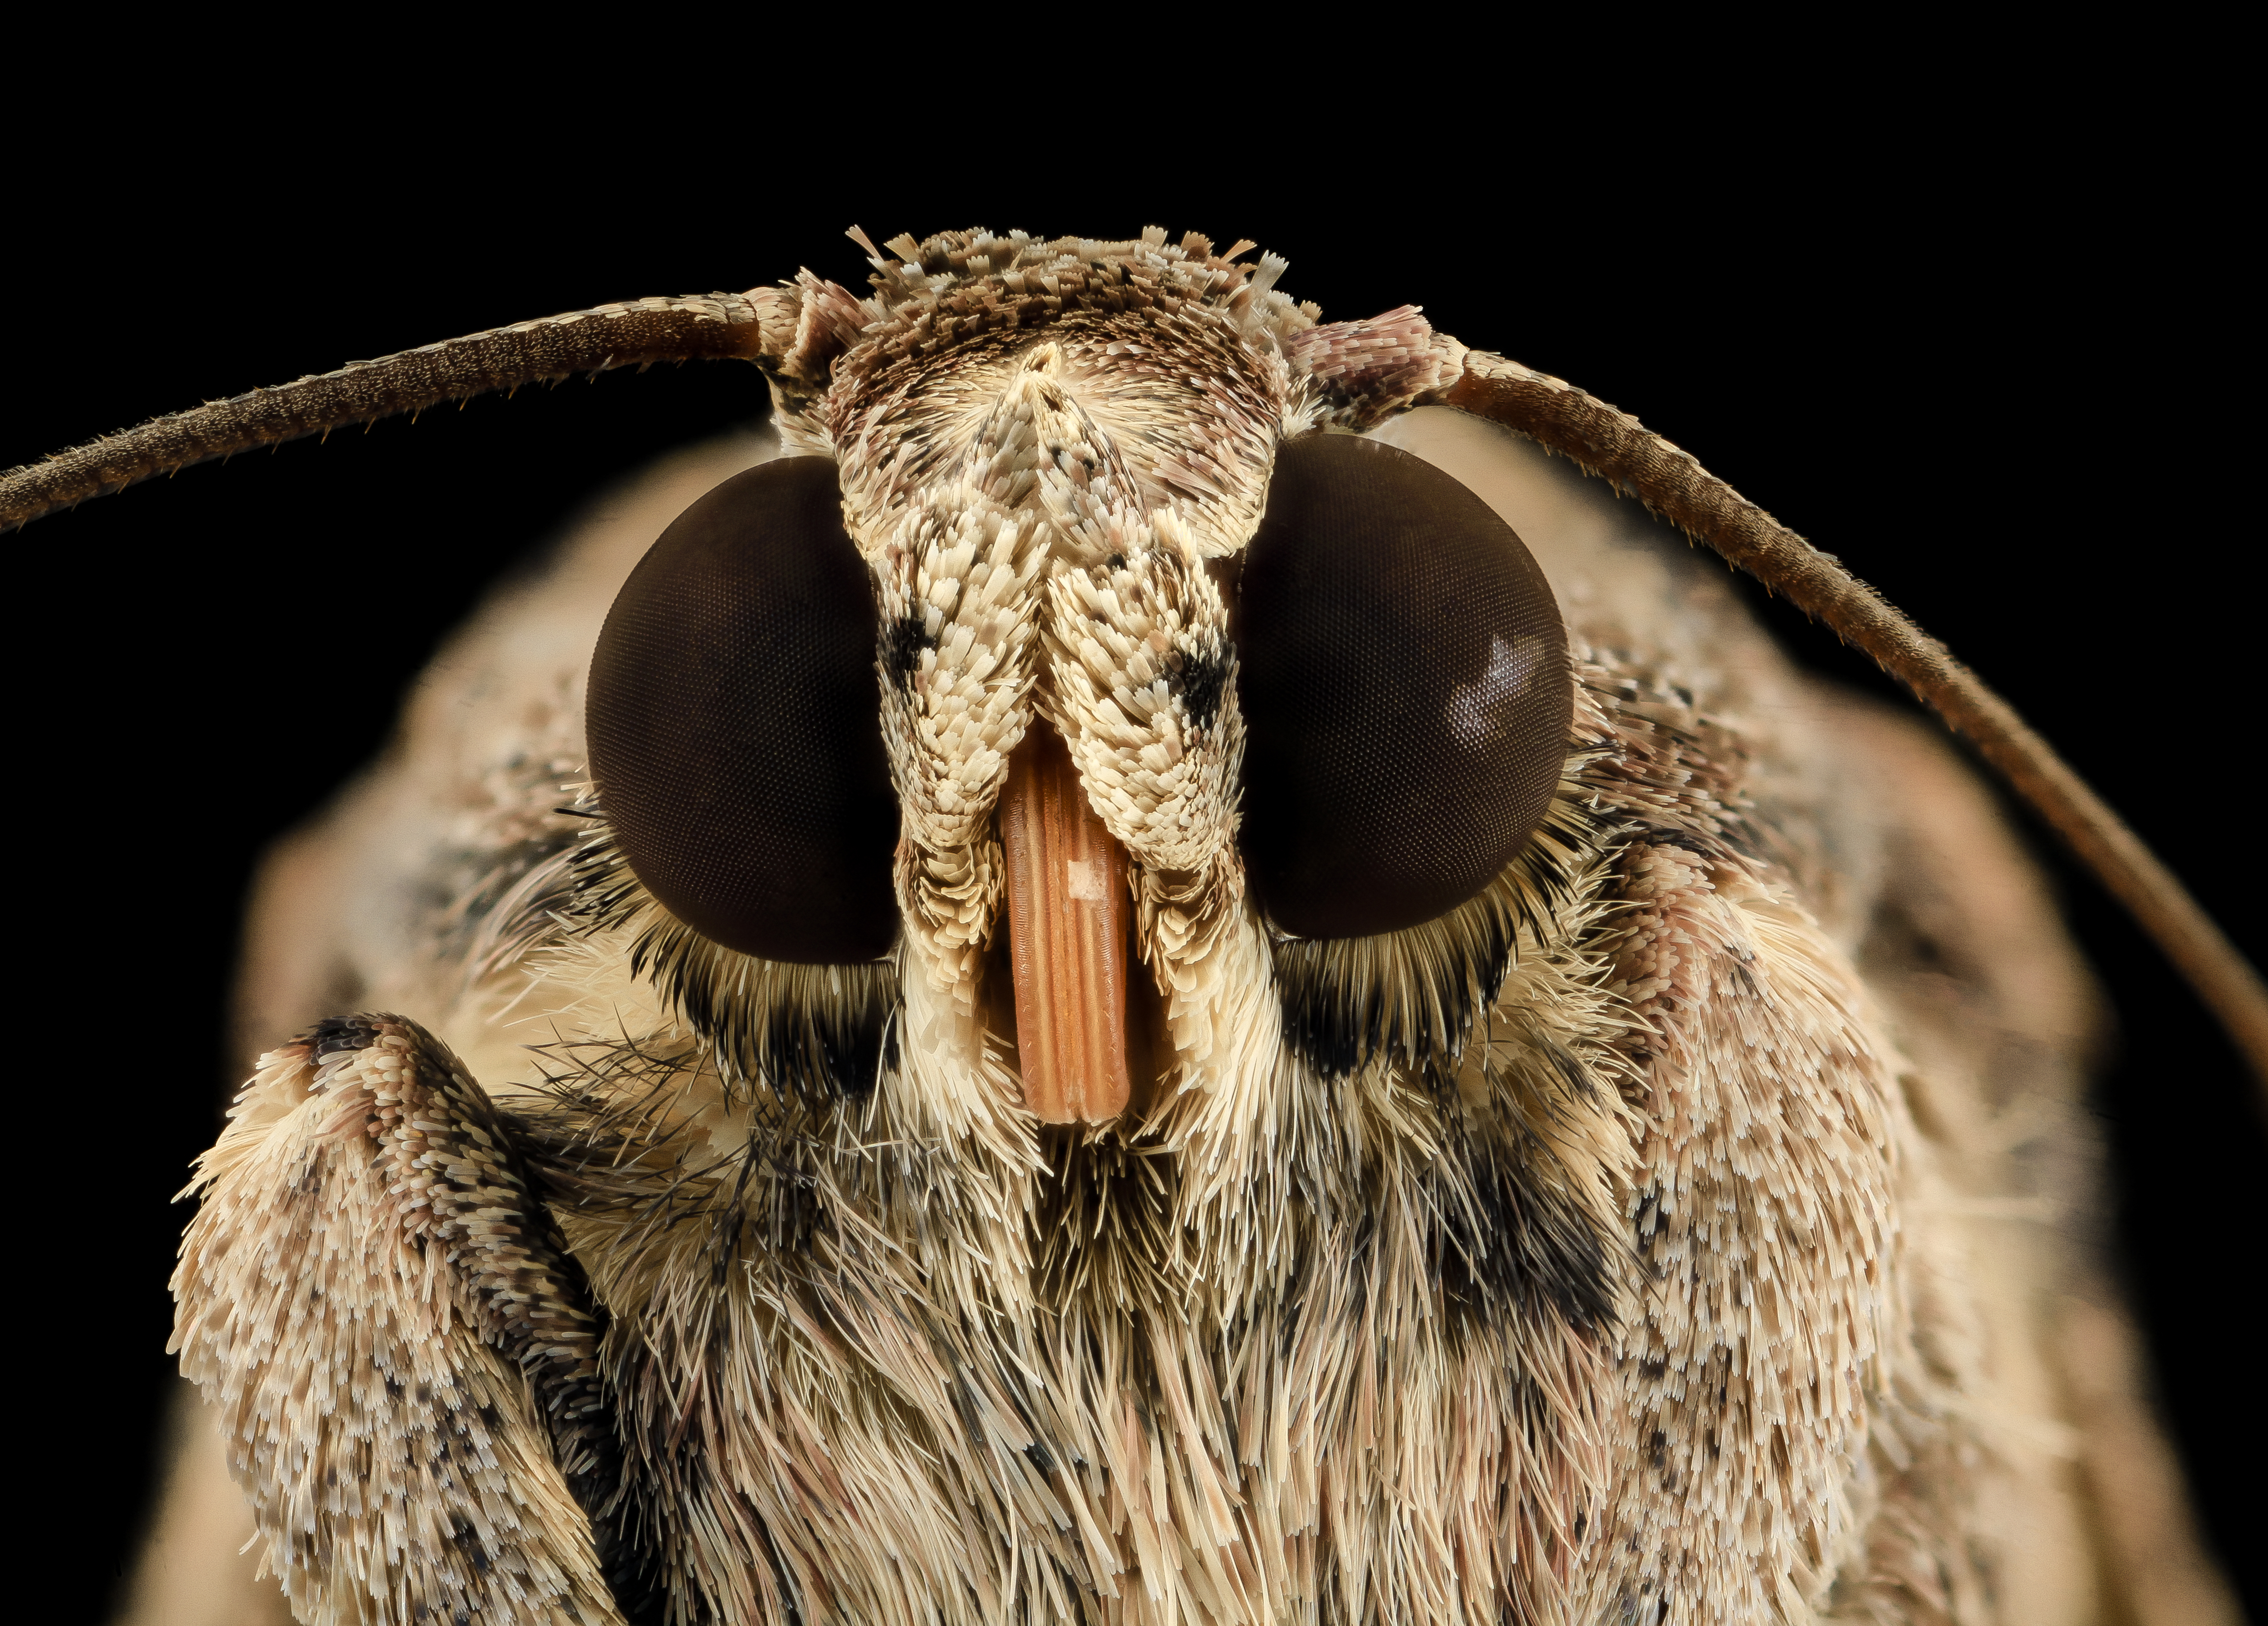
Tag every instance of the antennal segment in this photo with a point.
(697, 327)
(1616, 447)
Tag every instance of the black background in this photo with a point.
(1967, 317)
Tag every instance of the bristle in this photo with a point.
(1412, 995)
(824, 1033)
(1454, 1276)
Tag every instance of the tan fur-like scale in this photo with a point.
(1200, 1367)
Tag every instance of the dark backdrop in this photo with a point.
(1983, 349)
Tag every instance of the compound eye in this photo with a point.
(735, 724)
(1402, 672)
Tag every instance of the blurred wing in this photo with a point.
(399, 1349)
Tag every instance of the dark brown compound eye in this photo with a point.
(734, 724)
(1402, 672)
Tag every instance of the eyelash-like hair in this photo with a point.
(817, 1032)
(1412, 997)
(610, 1133)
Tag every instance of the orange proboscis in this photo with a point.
(1069, 914)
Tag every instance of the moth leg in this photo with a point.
(401, 1354)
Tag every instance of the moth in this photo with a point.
(1169, 978)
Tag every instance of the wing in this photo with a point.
(2007, 1465)
(377, 1306)
(383, 901)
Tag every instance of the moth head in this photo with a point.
(1080, 665)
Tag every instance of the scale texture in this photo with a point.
(1692, 1226)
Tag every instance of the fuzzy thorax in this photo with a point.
(1431, 1271)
